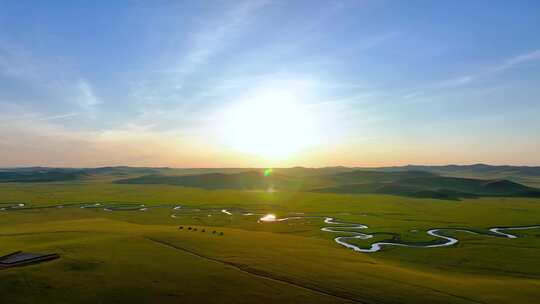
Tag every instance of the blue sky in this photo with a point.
(178, 83)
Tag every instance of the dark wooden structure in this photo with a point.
(19, 258)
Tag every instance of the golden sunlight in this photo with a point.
(268, 218)
(273, 124)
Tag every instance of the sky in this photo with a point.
(269, 83)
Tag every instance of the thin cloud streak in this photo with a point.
(211, 40)
(506, 65)
(86, 97)
(57, 117)
(517, 60)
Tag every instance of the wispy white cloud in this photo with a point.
(517, 60)
(47, 79)
(86, 97)
(16, 114)
(58, 117)
(507, 64)
(413, 94)
(43, 141)
(458, 81)
(210, 36)
(214, 35)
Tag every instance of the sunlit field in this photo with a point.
(188, 241)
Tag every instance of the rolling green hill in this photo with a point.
(443, 182)
(377, 176)
(406, 183)
(249, 180)
(245, 180)
(527, 175)
(29, 175)
(425, 184)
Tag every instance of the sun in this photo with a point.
(271, 123)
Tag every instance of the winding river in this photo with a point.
(352, 233)
(347, 231)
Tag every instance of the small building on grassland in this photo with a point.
(20, 258)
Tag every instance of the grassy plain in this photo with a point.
(142, 256)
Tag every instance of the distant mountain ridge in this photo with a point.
(404, 183)
(478, 168)
(528, 175)
(531, 170)
(446, 182)
(29, 175)
(244, 180)
(431, 185)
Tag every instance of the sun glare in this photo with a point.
(267, 172)
(272, 123)
(268, 218)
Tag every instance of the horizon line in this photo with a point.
(263, 167)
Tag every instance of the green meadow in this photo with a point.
(133, 256)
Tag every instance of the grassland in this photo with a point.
(142, 257)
